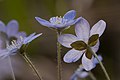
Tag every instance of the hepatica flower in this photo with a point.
(84, 38)
(60, 22)
(10, 31)
(16, 45)
(81, 72)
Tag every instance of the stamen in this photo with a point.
(58, 20)
(21, 38)
(13, 43)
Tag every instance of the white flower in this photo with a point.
(85, 36)
(16, 45)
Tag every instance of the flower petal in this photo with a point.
(59, 26)
(96, 61)
(2, 27)
(82, 29)
(98, 28)
(23, 34)
(71, 22)
(74, 77)
(31, 37)
(96, 47)
(83, 74)
(53, 19)
(70, 15)
(12, 28)
(87, 63)
(67, 39)
(72, 56)
(43, 22)
(3, 54)
(3, 38)
(19, 35)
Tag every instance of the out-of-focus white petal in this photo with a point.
(96, 47)
(67, 39)
(82, 29)
(70, 15)
(87, 63)
(98, 28)
(72, 56)
(12, 28)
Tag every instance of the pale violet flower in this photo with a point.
(81, 72)
(15, 45)
(9, 33)
(11, 30)
(83, 36)
(60, 22)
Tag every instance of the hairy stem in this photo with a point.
(59, 65)
(32, 66)
(102, 66)
(10, 63)
(92, 76)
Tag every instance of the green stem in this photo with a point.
(102, 66)
(10, 63)
(92, 76)
(31, 65)
(59, 66)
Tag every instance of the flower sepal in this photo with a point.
(23, 49)
(79, 45)
(93, 40)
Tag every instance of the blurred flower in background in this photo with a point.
(81, 72)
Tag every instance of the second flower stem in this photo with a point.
(102, 66)
(92, 76)
(59, 66)
(31, 65)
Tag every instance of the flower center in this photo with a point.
(58, 20)
(15, 45)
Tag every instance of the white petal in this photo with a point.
(87, 63)
(96, 47)
(67, 39)
(72, 56)
(98, 28)
(82, 29)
